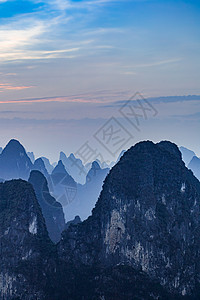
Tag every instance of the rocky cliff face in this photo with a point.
(147, 217)
(51, 209)
(25, 249)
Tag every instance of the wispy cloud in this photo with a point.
(105, 30)
(6, 86)
(96, 97)
(50, 99)
(34, 55)
(34, 36)
(155, 63)
(14, 42)
(67, 4)
(158, 100)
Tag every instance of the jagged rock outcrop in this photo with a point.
(14, 162)
(27, 255)
(75, 221)
(51, 209)
(147, 218)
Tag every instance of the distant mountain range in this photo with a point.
(187, 155)
(191, 161)
(63, 179)
(142, 240)
(83, 200)
(76, 199)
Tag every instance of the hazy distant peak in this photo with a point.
(40, 166)
(187, 154)
(60, 168)
(13, 145)
(95, 165)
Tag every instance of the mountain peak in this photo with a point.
(95, 165)
(40, 166)
(14, 162)
(146, 217)
(13, 145)
(171, 147)
(60, 168)
(72, 156)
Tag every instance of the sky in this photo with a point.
(64, 65)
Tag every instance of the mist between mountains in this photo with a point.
(111, 138)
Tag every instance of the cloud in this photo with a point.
(88, 122)
(67, 4)
(105, 30)
(129, 73)
(14, 42)
(157, 100)
(96, 97)
(34, 55)
(61, 99)
(6, 86)
(46, 34)
(29, 36)
(8, 112)
(155, 63)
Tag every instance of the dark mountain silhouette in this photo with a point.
(146, 218)
(75, 221)
(51, 209)
(194, 165)
(14, 162)
(26, 253)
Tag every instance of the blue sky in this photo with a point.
(63, 60)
